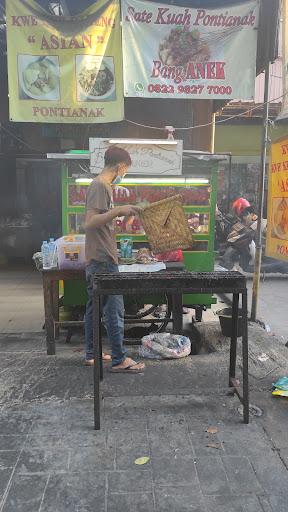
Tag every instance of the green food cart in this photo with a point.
(198, 187)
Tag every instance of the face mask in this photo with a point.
(117, 180)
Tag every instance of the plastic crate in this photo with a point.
(71, 252)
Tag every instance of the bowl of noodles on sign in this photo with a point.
(95, 78)
(39, 77)
(280, 219)
(181, 46)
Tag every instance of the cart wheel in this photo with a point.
(166, 319)
(157, 324)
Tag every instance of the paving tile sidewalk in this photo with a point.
(73, 468)
(51, 459)
(21, 300)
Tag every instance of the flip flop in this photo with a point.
(128, 369)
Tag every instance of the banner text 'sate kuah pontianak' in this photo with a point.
(64, 70)
(177, 52)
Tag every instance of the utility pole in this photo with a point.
(258, 257)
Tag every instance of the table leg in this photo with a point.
(96, 344)
(100, 340)
(55, 296)
(48, 309)
(233, 342)
(100, 355)
(245, 358)
(177, 313)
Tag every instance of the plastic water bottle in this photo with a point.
(45, 255)
(52, 253)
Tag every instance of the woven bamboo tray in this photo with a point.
(166, 225)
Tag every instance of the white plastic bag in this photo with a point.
(165, 346)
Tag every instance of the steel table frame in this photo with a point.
(51, 279)
(175, 284)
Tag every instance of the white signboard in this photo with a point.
(178, 52)
(148, 157)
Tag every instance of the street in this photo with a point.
(272, 306)
(137, 140)
(200, 456)
(17, 315)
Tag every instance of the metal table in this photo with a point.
(175, 284)
(51, 279)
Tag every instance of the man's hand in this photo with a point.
(128, 210)
(95, 219)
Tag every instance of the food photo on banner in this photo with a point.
(172, 51)
(64, 70)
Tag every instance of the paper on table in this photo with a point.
(138, 267)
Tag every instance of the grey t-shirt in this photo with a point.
(100, 242)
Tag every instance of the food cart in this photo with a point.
(198, 187)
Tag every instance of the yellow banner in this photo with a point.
(277, 222)
(64, 70)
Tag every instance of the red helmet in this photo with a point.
(240, 205)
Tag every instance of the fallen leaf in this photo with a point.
(217, 446)
(212, 430)
(141, 461)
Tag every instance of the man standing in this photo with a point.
(101, 257)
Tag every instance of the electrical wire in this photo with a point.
(162, 129)
(86, 170)
(211, 123)
(18, 138)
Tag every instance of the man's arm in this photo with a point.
(96, 219)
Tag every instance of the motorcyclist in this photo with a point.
(244, 211)
(238, 239)
(240, 205)
(240, 245)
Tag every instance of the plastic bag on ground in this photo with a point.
(282, 383)
(165, 346)
(280, 388)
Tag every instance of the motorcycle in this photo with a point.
(240, 246)
(235, 241)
